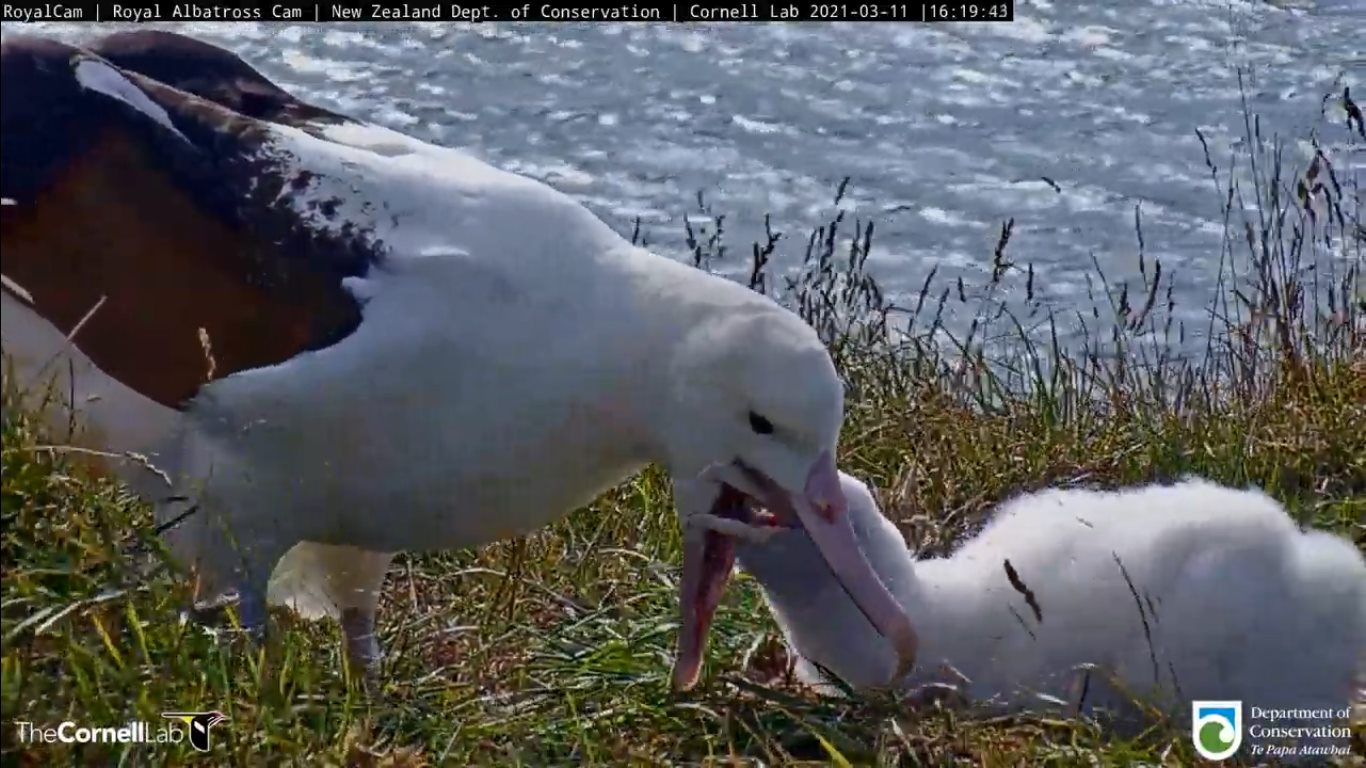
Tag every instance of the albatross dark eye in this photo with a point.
(759, 424)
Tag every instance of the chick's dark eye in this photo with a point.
(759, 424)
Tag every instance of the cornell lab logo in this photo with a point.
(198, 725)
(1216, 728)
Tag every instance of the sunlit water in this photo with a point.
(1065, 120)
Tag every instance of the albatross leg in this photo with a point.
(336, 581)
(332, 580)
(362, 647)
(251, 610)
(357, 588)
(252, 577)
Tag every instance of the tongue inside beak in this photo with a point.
(823, 512)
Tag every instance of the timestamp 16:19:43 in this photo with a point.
(998, 11)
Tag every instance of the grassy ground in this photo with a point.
(555, 649)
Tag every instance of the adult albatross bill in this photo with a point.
(342, 343)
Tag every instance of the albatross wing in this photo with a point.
(189, 195)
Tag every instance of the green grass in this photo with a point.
(555, 648)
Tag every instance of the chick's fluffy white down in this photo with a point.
(1188, 591)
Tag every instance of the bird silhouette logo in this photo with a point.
(198, 724)
(1217, 728)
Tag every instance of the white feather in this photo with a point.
(98, 75)
(16, 289)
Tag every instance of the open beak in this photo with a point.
(820, 508)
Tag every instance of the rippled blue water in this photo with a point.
(947, 130)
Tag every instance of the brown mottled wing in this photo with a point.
(211, 73)
(175, 236)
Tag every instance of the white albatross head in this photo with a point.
(753, 420)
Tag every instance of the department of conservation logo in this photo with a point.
(198, 725)
(1216, 728)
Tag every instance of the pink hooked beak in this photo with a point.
(824, 513)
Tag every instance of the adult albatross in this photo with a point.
(340, 342)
